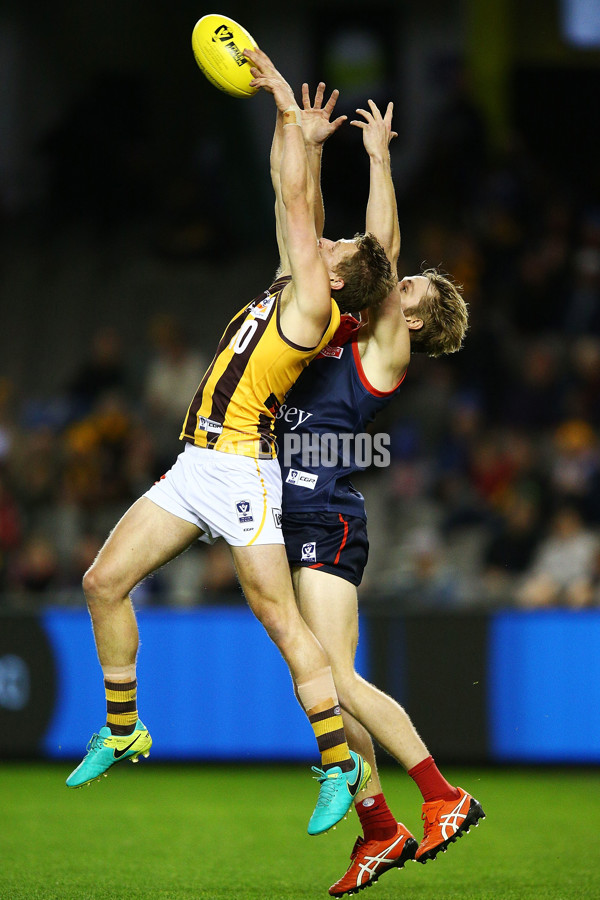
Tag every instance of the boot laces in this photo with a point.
(329, 784)
(95, 743)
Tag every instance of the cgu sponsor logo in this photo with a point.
(302, 479)
(205, 424)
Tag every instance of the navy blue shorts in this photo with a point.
(329, 541)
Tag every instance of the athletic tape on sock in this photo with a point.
(119, 673)
(318, 689)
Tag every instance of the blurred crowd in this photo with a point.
(493, 495)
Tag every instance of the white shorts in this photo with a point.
(234, 497)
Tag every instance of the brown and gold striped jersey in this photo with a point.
(254, 367)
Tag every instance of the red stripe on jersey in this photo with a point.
(365, 381)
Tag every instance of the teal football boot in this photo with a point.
(105, 749)
(338, 790)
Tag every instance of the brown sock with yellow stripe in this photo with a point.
(319, 700)
(121, 705)
(328, 726)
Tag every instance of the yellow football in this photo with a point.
(218, 44)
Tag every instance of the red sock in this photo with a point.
(377, 822)
(431, 782)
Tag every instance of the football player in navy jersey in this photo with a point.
(324, 518)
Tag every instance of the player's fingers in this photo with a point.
(339, 121)
(393, 134)
(367, 115)
(388, 113)
(374, 109)
(264, 65)
(261, 60)
(319, 95)
(330, 105)
(260, 54)
(305, 96)
(358, 123)
(253, 54)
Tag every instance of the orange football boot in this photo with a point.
(446, 820)
(370, 859)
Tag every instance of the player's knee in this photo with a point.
(91, 584)
(97, 585)
(272, 621)
(274, 617)
(345, 682)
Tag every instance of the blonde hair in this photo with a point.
(445, 317)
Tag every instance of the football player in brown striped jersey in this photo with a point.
(227, 482)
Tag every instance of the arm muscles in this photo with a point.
(308, 310)
(387, 353)
(382, 212)
(276, 153)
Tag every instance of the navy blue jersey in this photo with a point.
(321, 433)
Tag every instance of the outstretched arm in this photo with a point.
(307, 301)
(387, 352)
(275, 160)
(316, 128)
(382, 212)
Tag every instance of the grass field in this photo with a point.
(206, 833)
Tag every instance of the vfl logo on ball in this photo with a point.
(244, 511)
(309, 552)
(223, 34)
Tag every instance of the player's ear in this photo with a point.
(336, 283)
(414, 323)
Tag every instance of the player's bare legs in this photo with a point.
(144, 539)
(263, 572)
(329, 605)
(360, 740)
(265, 579)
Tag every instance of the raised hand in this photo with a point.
(267, 77)
(376, 129)
(316, 118)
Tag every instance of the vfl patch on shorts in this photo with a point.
(244, 511)
(226, 495)
(309, 552)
